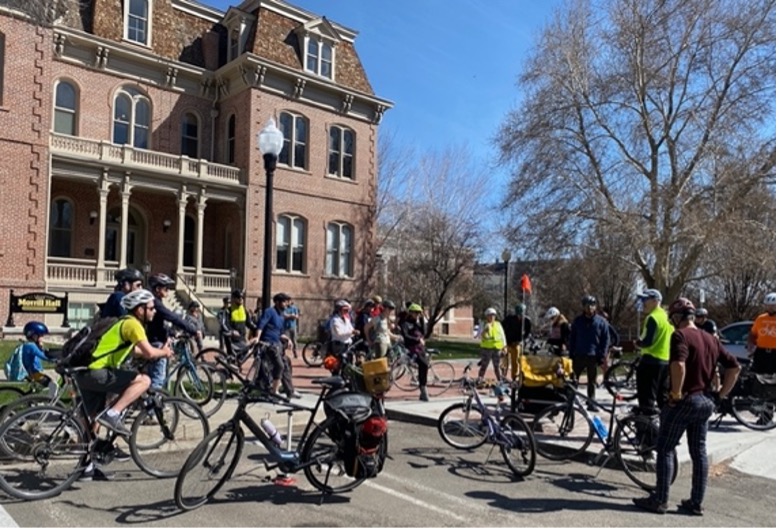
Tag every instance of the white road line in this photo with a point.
(5, 519)
(416, 501)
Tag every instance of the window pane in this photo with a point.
(313, 47)
(189, 127)
(122, 108)
(64, 122)
(311, 64)
(59, 243)
(327, 52)
(141, 137)
(285, 123)
(335, 139)
(300, 156)
(189, 147)
(189, 141)
(298, 233)
(348, 142)
(231, 140)
(111, 239)
(326, 70)
(346, 254)
(66, 96)
(347, 169)
(142, 112)
(300, 130)
(331, 260)
(121, 133)
(139, 8)
(282, 231)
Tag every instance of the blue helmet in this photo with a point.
(35, 328)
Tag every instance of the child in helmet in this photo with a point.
(33, 353)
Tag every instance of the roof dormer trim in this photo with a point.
(321, 27)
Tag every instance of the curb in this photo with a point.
(411, 418)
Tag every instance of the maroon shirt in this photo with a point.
(700, 352)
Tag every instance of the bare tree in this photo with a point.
(650, 119)
(433, 231)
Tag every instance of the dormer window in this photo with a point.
(137, 21)
(319, 58)
(237, 24)
(235, 44)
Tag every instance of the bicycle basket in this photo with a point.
(354, 407)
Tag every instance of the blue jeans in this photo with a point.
(690, 415)
(157, 370)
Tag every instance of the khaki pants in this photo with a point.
(514, 351)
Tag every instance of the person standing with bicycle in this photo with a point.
(271, 328)
(493, 342)
(589, 345)
(413, 332)
(693, 356)
(517, 328)
(762, 338)
(655, 347)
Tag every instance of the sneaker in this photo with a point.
(295, 395)
(95, 474)
(687, 506)
(120, 455)
(423, 394)
(113, 423)
(651, 505)
(284, 481)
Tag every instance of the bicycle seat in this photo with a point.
(334, 382)
(69, 371)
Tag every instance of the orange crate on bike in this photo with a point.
(376, 376)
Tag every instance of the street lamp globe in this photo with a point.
(505, 255)
(270, 139)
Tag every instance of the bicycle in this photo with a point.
(471, 424)
(321, 448)
(18, 398)
(314, 353)
(48, 447)
(620, 377)
(752, 402)
(565, 431)
(405, 374)
(195, 379)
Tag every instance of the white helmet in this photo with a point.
(770, 299)
(551, 313)
(136, 298)
(490, 311)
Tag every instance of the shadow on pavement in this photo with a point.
(545, 505)
(465, 464)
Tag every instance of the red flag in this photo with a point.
(524, 284)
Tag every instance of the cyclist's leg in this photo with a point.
(495, 355)
(702, 409)
(513, 353)
(46, 381)
(275, 354)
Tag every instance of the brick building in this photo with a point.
(128, 137)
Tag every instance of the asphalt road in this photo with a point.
(426, 484)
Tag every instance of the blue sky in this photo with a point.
(450, 66)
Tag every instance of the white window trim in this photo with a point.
(149, 19)
(340, 274)
(131, 133)
(341, 152)
(76, 111)
(320, 40)
(199, 130)
(227, 139)
(292, 140)
(292, 218)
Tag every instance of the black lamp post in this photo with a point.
(270, 141)
(506, 257)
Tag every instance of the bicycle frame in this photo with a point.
(495, 434)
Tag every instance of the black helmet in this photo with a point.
(587, 300)
(701, 312)
(388, 304)
(682, 306)
(237, 294)
(281, 297)
(161, 280)
(128, 274)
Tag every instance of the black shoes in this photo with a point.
(95, 474)
(687, 506)
(651, 505)
(120, 455)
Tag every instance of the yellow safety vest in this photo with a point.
(495, 338)
(661, 346)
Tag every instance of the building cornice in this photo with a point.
(197, 9)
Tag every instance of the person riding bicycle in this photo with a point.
(271, 327)
(413, 332)
(235, 323)
(195, 318)
(32, 354)
(694, 355)
(517, 328)
(559, 331)
(157, 329)
(655, 347)
(704, 323)
(127, 280)
(761, 341)
(588, 345)
(106, 374)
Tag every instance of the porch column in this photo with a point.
(201, 210)
(102, 213)
(182, 221)
(126, 187)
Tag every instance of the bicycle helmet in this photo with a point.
(519, 309)
(161, 280)
(551, 313)
(414, 307)
(128, 274)
(652, 294)
(237, 294)
(588, 300)
(388, 304)
(490, 311)
(35, 328)
(770, 299)
(340, 304)
(701, 312)
(682, 306)
(136, 298)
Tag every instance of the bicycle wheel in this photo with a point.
(327, 471)
(405, 377)
(754, 412)
(219, 380)
(635, 445)
(440, 377)
(27, 402)
(314, 354)
(49, 450)
(193, 381)
(562, 431)
(208, 355)
(462, 426)
(209, 466)
(517, 446)
(620, 379)
(163, 434)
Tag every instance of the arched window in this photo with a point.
(132, 118)
(65, 108)
(189, 136)
(137, 21)
(341, 152)
(230, 156)
(295, 130)
(338, 262)
(60, 227)
(290, 243)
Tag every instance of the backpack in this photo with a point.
(14, 368)
(77, 351)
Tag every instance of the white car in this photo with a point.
(734, 338)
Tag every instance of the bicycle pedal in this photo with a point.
(268, 465)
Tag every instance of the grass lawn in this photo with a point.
(454, 349)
